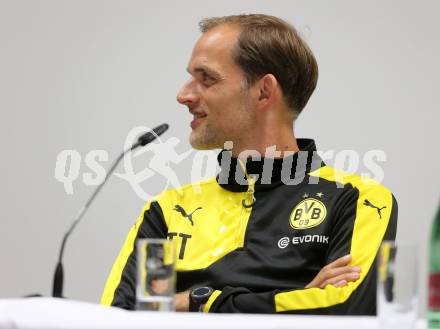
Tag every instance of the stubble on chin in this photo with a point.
(205, 138)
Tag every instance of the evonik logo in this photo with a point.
(285, 241)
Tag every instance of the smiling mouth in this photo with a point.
(197, 119)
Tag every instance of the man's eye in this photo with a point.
(207, 78)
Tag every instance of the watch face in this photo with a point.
(202, 291)
(199, 296)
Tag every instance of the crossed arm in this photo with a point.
(338, 274)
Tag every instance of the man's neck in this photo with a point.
(278, 146)
(269, 134)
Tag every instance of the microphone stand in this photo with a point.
(58, 281)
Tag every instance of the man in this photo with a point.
(261, 230)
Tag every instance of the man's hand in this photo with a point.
(337, 273)
(181, 301)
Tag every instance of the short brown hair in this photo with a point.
(269, 45)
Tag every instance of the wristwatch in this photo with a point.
(199, 296)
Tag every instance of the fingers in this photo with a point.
(315, 283)
(338, 273)
(328, 273)
(342, 261)
(341, 280)
(340, 284)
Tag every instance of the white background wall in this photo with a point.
(80, 74)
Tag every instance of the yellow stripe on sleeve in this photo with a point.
(211, 300)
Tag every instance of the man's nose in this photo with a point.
(187, 94)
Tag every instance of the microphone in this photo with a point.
(150, 136)
(144, 139)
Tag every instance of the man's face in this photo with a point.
(215, 95)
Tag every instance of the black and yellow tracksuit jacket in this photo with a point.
(259, 242)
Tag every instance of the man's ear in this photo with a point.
(267, 90)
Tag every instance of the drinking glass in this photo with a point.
(397, 298)
(156, 277)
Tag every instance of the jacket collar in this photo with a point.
(269, 172)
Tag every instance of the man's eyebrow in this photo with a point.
(202, 69)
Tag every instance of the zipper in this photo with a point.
(250, 199)
(247, 203)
